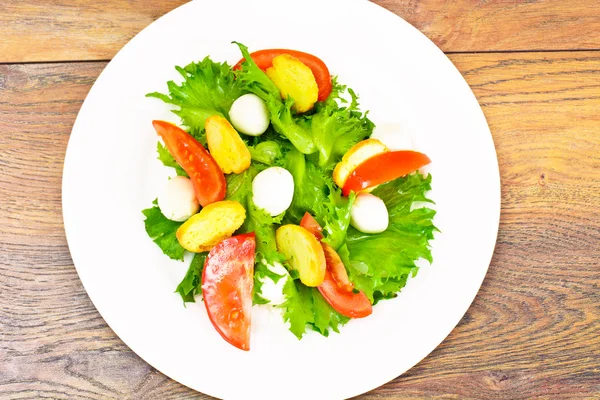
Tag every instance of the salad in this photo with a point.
(287, 194)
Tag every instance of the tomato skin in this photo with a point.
(336, 267)
(383, 168)
(349, 304)
(264, 60)
(204, 172)
(311, 225)
(332, 259)
(227, 283)
(337, 289)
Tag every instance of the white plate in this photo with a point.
(111, 174)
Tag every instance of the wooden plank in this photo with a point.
(503, 25)
(55, 30)
(532, 332)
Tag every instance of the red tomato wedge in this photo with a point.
(332, 259)
(383, 168)
(311, 225)
(337, 288)
(204, 172)
(350, 304)
(336, 266)
(227, 283)
(264, 60)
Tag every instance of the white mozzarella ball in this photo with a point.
(271, 291)
(369, 214)
(393, 136)
(177, 201)
(273, 190)
(249, 115)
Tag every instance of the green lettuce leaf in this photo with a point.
(380, 264)
(162, 231)
(315, 192)
(254, 80)
(305, 306)
(239, 186)
(266, 152)
(191, 285)
(335, 128)
(208, 88)
(263, 225)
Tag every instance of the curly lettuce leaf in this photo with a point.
(315, 192)
(266, 152)
(208, 88)
(254, 80)
(305, 306)
(263, 225)
(162, 231)
(336, 128)
(191, 284)
(380, 264)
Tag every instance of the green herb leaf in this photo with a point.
(304, 306)
(266, 152)
(335, 129)
(191, 285)
(297, 307)
(208, 88)
(162, 231)
(315, 192)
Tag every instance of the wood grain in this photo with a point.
(59, 30)
(503, 25)
(533, 332)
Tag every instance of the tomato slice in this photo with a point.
(227, 283)
(332, 259)
(204, 172)
(383, 168)
(350, 304)
(337, 288)
(311, 225)
(336, 266)
(264, 60)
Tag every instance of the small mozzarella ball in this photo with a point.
(369, 214)
(249, 115)
(177, 201)
(271, 291)
(273, 190)
(393, 136)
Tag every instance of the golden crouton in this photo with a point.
(226, 146)
(213, 223)
(294, 79)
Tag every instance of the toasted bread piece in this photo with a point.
(304, 253)
(213, 223)
(226, 146)
(294, 79)
(359, 153)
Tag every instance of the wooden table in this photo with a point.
(533, 330)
